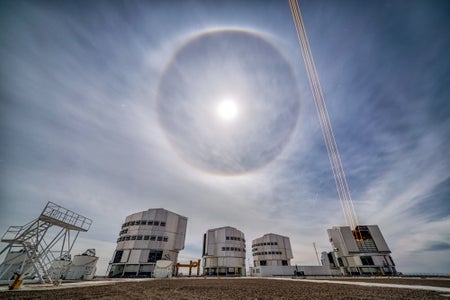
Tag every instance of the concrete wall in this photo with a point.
(269, 271)
(319, 271)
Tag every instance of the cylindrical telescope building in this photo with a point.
(224, 252)
(272, 250)
(146, 237)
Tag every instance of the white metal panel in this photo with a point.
(131, 268)
(144, 256)
(357, 261)
(161, 215)
(349, 239)
(125, 255)
(336, 241)
(172, 224)
(211, 262)
(135, 255)
(378, 260)
(181, 233)
(378, 238)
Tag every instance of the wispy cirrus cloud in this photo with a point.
(80, 123)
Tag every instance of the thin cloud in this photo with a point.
(80, 124)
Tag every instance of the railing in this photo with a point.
(12, 233)
(58, 214)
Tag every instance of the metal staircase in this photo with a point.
(25, 232)
(367, 245)
(38, 266)
(34, 246)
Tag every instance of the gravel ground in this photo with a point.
(221, 289)
(396, 280)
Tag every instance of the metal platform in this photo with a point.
(60, 216)
(34, 246)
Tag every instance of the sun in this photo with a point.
(227, 110)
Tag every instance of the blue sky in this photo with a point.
(108, 109)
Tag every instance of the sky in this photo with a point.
(113, 107)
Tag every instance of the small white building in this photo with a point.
(367, 256)
(224, 252)
(328, 259)
(145, 238)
